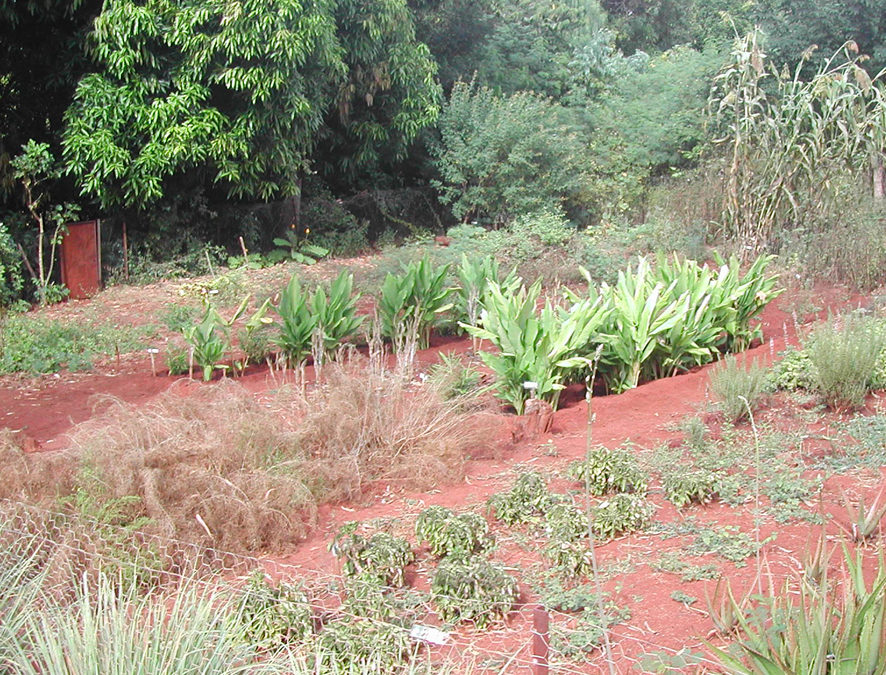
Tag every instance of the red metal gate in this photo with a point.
(81, 259)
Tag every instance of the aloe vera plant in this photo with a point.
(835, 629)
(536, 351)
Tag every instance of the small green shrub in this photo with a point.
(624, 512)
(380, 559)
(585, 635)
(728, 542)
(683, 487)
(177, 358)
(738, 388)
(567, 529)
(525, 502)
(674, 563)
(178, 317)
(363, 645)
(473, 590)
(549, 225)
(845, 356)
(604, 471)
(450, 535)
(11, 279)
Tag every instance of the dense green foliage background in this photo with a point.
(200, 121)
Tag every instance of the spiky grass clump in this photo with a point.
(213, 466)
(219, 467)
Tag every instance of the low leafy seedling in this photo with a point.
(451, 535)
(523, 503)
(379, 559)
(682, 487)
(473, 590)
(604, 471)
(626, 512)
(270, 616)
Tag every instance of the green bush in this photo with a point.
(624, 512)
(269, 616)
(525, 502)
(793, 371)
(683, 486)
(537, 351)
(379, 559)
(450, 535)
(411, 301)
(11, 280)
(846, 356)
(473, 590)
(502, 156)
(31, 344)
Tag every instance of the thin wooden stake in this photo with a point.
(540, 640)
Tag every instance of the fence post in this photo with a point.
(540, 641)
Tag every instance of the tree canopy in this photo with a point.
(243, 90)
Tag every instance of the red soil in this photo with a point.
(47, 408)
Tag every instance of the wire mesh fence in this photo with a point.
(71, 547)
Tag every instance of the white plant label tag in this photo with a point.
(429, 634)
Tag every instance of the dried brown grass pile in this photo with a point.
(366, 426)
(34, 477)
(215, 467)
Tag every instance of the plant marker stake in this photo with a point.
(153, 364)
(540, 640)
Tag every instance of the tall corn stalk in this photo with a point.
(787, 139)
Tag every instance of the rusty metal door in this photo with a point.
(81, 261)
